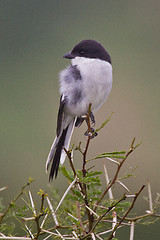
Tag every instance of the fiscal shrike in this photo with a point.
(87, 81)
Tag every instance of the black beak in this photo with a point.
(69, 55)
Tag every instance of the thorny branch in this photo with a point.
(103, 215)
(88, 140)
(15, 199)
(78, 230)
(132, 148)
(84, 153)
(90, 216)
(37, 218)
(129, 209)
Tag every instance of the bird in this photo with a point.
(87, 81)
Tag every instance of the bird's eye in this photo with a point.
(82, 52)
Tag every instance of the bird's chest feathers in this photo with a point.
(91, 85)
(97, 78)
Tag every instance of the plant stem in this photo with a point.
(90, 216)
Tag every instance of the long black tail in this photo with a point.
(57, 155)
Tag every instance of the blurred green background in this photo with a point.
(34, 35)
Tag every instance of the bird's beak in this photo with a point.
(69, 55)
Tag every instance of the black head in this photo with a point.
(89, 49)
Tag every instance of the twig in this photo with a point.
(108, 210)
(122, 184)
(132, 148)
(114, 214)
(37, 217)
(141, 217)
(42, 224)
(66, 192)
(111, 221)
(107, 231)
(88, 141)
(73, 217)
(91, 211)
(32, 203)
(90, 216)
(3, 188)
(52, 211)
(132, 231)
(129, 209)
(29, 231)
(60, 234)
(150, 198)
(15, 238)
(98, 237)
(93, 236)
(15, 199)
(102, 216)
(47, 237)
(70, 161)
(107, 181)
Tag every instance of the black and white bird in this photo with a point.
(88, 80)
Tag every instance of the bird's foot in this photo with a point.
(92, 134)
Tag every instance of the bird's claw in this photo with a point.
(91, 133)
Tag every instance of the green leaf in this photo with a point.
(77, 194)
(117, 155)
(67, 174)
(72, 197)
(122, 206)
(104, 123)
(92, 173)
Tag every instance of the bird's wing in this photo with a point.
(60, 115)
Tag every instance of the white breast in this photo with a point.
(95, 83)
(97, 75)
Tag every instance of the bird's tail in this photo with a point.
(57, 153)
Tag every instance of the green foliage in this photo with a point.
(7, 228)
(68, 174)
(84, 211)
(117, 155)
(104, 123)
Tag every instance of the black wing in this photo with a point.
(60, 115)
